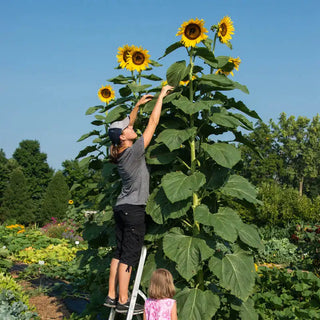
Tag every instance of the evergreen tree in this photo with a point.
(55, 200)
(17, 204)
(35, 167)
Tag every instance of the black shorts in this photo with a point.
(130, 231)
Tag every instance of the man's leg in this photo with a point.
(124, 274)
(113, 278)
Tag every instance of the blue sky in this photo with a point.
(56, 54)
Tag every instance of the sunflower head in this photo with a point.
(138, 59)
(106, 94)
(225, 29)
(233, 63)
(186, 82)
(122, 55)
(192, 32)
(70, 201)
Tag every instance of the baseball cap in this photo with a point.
(116, 129)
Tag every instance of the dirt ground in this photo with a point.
(47, 307)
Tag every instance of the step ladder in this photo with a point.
(136, 291)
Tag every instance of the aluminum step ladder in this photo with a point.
(136, 291)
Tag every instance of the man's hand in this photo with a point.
(165, 90)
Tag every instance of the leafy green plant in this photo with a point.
(192, 230)
(11, 309)
(307, 238)
(280, 251)
(5, 262)
(281, 294)
(67, 229)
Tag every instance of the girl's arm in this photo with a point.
(144, 315)
(174, 315)
(133, 115)
(155, 116)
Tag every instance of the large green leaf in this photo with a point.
(247, 311)
(226, 155)
(160, 209)
(176, 72)
(189, 107)
(171, 48)
(85, 136)
(226, 223)
(94, 109)
(178, 186)
(240, 188)
(151, 77)
(120, 79)
(195, 304)
(173, 138)
(249, 235)
(188, 252)
(137, 87)
(116, 114)
(159, 154)
(238, 274)
(225, 120)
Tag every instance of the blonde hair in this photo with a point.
(161, 285)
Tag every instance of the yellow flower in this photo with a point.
(122, 55)
(137, 59)
(256, 267)
(70, 201)
(235, 61)
(164, 83)
(192, 32)
(186, 82)
(21, 231)
(225, 29)
(106, 94)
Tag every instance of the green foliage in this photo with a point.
(11, 309)
(5, 262)
(35, 167)
(281, 205)
(290, 153)
(55, 201)
(307, 238)
(287, 295)
(9, 284)
(16, 203)
(280, 251)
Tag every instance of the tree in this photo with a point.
(17, 204)
(55, 200)
(79, 177)
(289, 153)
(35, 167)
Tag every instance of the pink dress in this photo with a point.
(158, 309)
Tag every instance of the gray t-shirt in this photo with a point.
(134, 174)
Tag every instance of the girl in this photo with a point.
(160, 305)
(129, 211)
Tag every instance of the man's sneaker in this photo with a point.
(124, 308)
(111, 303)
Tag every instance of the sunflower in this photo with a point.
(106, 94)
(122, 55)
(235, 61)
(138, 59)
(225, 29)
(192, 32)
(70, 201)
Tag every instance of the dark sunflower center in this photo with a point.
(223, 29)
(106, 93)
(138, 58)
(125, 55)
(192, 31)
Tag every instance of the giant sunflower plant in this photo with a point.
(193, 227)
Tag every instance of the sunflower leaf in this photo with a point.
(189, 107)
(120, 79)
(137, 87)
(171, 48)
(176, 72)
(151, 77)
(92, 110)
(87, 135)
(155, 63)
